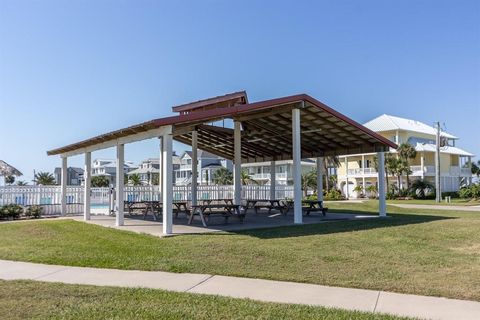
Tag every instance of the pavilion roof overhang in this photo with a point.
(266, 131)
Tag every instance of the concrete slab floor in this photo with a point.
(216, 224)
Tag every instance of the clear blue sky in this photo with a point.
(73, 69)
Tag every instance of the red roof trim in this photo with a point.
(223, 112)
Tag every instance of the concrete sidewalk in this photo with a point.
(256, 289)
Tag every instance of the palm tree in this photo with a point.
(419, 188)
(44, 178)
(9, 179)
(475, 168)
(389, 163)
(329, 162)
(407, 152)
(223, 176)
(399, 167)
(135, 180)
(309, 181)
(21, 183)
(100, 181)
(246, 178)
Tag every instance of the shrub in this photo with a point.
(372, 191)
(451, 194)
(422, 189)
(34, 211)
(391, 195)
(471, 191)
(333, 194)
(12, 211)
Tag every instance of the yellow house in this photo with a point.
(359, 170)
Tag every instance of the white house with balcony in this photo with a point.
(148, 170)
(207, 165)
(260, 171)
(359, 170)
(108, 168)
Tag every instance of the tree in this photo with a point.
(399, 167)
(100, 182)
(45, 178)
(390, 162)
(9, 179)
(246, 178)
(135, 180)
(155, 179)
(420, 187)
(21, 183)
(329, 162)
(223, 176)
(309, 181)
(407, 152)
(476, 168)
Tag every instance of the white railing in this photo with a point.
(429, 169)
(360, 171)
(49, 197)
(278, 175)
(454, 170)
(416, 169)
(466, 171)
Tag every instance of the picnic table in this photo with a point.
(224, 210)
(155, 207)
(269, 204)
(217, 201)
(308, 206)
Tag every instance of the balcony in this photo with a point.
(266, 176)
(361, 171)
(427, 170)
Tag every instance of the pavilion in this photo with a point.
(288, 128)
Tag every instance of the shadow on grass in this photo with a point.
(338, 226)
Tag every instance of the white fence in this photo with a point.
(49, 197)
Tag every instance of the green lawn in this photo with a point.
(430, 252)
(41, 300)
(455, 202)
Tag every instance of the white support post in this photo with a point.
(237, 163)
(422, 164)
(363, 175)
(297, 167)
(160, 167)
(120, 185)
(167, 182)
(272, 180)
(382, 206)
(320, 178)
(63, 200)
(347, 195)
(194, 167)
(87, 173)
(470, 178)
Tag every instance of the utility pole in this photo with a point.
(438, 191)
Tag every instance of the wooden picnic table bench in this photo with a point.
(217, 201)
(155, 207)
(309, 206)
(269, 204)
(224, 210)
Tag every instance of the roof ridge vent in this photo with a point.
(226, 101)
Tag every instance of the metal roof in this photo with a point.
(428, 147)
(387, 122)
(228, 100)
(266, 131)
